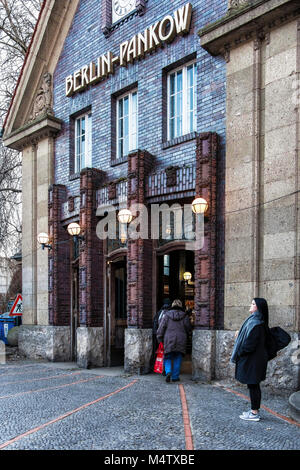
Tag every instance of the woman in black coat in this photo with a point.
(250, 354)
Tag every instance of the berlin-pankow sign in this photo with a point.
(162, 31)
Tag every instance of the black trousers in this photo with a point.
(255, 396)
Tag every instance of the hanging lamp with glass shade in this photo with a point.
(74, 229)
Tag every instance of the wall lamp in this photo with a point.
(124, 217)
(43, 239)
(74, 230)
(199, 205)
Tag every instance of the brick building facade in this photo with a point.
(197, 151)
(119, 104)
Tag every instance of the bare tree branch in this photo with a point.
(17, 22)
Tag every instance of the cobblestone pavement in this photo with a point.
(58, 406)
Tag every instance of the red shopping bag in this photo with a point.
(159, 363)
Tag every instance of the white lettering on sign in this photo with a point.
(153, 37)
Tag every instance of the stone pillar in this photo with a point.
(29, 235)
(38, 296)
(44, 178)
(90, 347)
(139, 272)
(90, 340)
(138, 350)
(35, 140)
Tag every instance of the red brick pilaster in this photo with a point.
(59, 280)
(139, 257)
(205, 259)
(91, 282)
(106, 17)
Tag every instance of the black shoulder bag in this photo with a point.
(277, 339)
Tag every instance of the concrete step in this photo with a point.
(294, 405)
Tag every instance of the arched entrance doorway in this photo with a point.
(171, 284)
(172, 263)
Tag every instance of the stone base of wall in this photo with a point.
(90, 347)
(211, 360)
(45, 342)
(203, 354)
(138, 350)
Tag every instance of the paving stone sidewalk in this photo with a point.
(58, 406)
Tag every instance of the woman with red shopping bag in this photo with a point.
(159, 363)
(173, 332)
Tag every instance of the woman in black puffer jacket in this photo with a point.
(173, 332)
(250, 354)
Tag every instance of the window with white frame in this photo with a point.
(127, 124)
(83, 142)
(182, 102)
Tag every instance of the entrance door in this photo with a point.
(171, 286)
(171, 283)
(117, 309)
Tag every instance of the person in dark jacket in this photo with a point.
(250, 354)
(173, 332)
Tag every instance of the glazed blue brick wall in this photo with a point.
(85, 42)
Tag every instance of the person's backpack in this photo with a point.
(277, 339)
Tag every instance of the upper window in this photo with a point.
(182, 103)
(83, 142)
(121, 8)
(127, 124)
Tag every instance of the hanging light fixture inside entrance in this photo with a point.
(187, 276)
(199, 205)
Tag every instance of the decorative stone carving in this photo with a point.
(141, 7)
(112, 190)
(261, 36)
(71, 204)
(232, 4)
(43, 101)
(171, 173)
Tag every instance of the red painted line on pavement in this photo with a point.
(51, 388)
(69, 413)
(15, 367)
(186, 420)
(41, 378)
(278, 415)
(22, 373)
